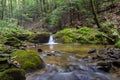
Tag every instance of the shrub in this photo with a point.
(82, 35)
(12, 41)
(9, 28)
(117, 44)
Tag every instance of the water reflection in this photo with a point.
(51, 46)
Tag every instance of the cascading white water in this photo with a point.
(51, 40)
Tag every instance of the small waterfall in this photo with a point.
(51, 39)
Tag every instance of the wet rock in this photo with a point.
(39, 50)
(102, 51)
(113, 57)
(105, 66)
(57, 52)
(92, 51)
(52, 53)
(49, 54)
(116, 63)
(111, 52)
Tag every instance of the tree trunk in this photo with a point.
(3, 2)
(95, 13)
(11, 9)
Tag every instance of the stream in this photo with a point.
(63, 62)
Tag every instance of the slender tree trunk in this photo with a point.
(37, 8)
(3, 2)
(95, 13)
(11, 9)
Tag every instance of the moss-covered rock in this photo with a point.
(12, 74)
(28, 60)
(82, 35)
(39, 37)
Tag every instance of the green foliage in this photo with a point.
(67, 35)
(28, 60)
(4, 49)
(9, 28)
(106, 26)
(2, 39)
(117, 44)
(82, 35)
(111, 32)
(12, 41)
(12, 74)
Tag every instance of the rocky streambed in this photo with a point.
(100, 64)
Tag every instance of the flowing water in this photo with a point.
(63, 62)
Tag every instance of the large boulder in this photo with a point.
(39, 37)
(28, 60)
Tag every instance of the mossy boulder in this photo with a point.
(28, 60)
(39, 37)
(81, 35)
(12, 74)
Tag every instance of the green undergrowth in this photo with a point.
(8, 28)
(81, 35)
(28, 60)
(117, 44)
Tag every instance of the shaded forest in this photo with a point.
(72, 39)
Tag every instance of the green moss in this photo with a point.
(28, 60)
(12, 74)
(82, 35)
